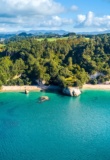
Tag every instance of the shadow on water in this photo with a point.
(2, 103)
(22, 92)
(58, 92)
(55, 91)
(7, 123)
(11, 111)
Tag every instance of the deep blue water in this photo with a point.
(63, 128)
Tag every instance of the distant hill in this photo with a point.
(6, 35)
(25, 34)
(70, 34)
(94, 33)
(32, 33)
(46, 33)
(40, 32)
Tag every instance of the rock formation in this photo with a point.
(72, 91)
(26, 91)
(43, 98)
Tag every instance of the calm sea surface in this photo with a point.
(63, 128)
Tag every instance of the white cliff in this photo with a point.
(72, 91)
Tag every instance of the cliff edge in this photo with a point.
(72, 91)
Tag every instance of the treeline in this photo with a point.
(61, 62)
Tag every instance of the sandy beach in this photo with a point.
(51, 87)
(29, 88)
(97, 86)
(20, 88)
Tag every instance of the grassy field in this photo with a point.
(62, 38)
(87, 39)
(52, 39)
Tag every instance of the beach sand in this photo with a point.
(97, 86)
(29, 88)
(20, 88)
(51, 87)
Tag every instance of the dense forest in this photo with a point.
(63, 62)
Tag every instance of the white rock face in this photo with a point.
(72, 91)
(97, 74)
(40, 82)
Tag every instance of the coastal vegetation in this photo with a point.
(68, 61)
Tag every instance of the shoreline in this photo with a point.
(28, 88)
(96, 86)
(51, 87)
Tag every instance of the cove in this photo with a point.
(63, 128)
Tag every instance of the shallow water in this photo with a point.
(63, 128)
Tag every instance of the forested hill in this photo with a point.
(64, 62)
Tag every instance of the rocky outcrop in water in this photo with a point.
(26, 91)
(71, 91)
(43, 98)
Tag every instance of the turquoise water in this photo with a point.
(64, 128)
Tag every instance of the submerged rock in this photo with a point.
(72, 91)
(43, 98)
